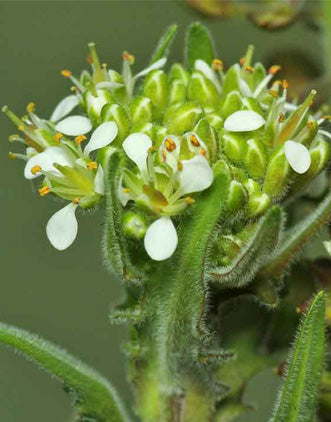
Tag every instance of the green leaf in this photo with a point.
(162, 49)
(298, 395)
(199, 45)
(250, 259)
(296, 238)
(115, 246)
(94, 397)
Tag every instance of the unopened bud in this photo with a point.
(94, 102)
(278, 171)
(117, 114)
(178, 73)
(206, 133)
(182, 118)
(156, 88)
(258, 204)
(252, 187)
(202, 90)
(231, 81)
(134, 225)
(234, 146)
(215, 121)
(255, 158)
(141, 110)
(232, 103)
(177, 92)
(237, 197)
(307, 134)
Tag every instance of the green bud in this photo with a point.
(278, 171)
(221, 167)
(117, 114)
(134, 225)
(182, 118)
(259, 74)
(255, 158)
(202, 90)
(177, 92)
(141, 110)
(179, 73)
(234, 146)
(95, 101)
(147, 128)
(307, 134)
(231, 80)
(204, 130)
(252, 104)
(231, 104)
(230, 246)
(156, 88)
(239, 174)
(258, 204)
(237, 198)
(215, 121)
(252, 187)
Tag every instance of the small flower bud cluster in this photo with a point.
(172, 129)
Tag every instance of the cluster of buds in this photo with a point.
(172, 130)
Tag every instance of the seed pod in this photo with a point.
(202, 90)
(234, 146)
(117, 114)
(134, 225)
(237, 198)
(177, 92)
(255, 158)
(181, 118)
(156, 88)
(141, 110)
(178, 73)
(231, 104)
(204, 130)
(278, 172)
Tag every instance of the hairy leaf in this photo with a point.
(250, 259)
(94, 397)
(296, 238)
(162, 49)
(199, 45)
(298, 395)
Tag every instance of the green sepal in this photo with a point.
(308, 133)
(258, 204)
(237, 199)
(177, 92)
(117, 114)
(234, 146)
(180, 119)
(278, 172)
(156, 88)
(94, 397)
(231, 104)
(202, 90)
(296, 238)
(141, 110)
(205, 131)
(198, 46)
(163, 46)
(259, 74)
(248, 262)
(231, 81)
(298, 395)
(255, 158)
(178, 73)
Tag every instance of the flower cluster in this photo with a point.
(171, 130)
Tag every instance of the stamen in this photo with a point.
(79, 139)
(170, 144)
(58, 137)
(249, 69)
(66, 73)
(194, 140)
(274, 69)
(104, 65)
(151, 149)
(128, 57)
(285, 84)
(11, 156)
(92, 165)
(74, 89)
(76, 201)
(218, 65)
(45, 190)
(273, 93)
(30, 107)
(13, 138)
(126, 190)
(21, 128)
(203, 152)
(36, 169)
(242, 61)
(179, 166)
(281, 117)
(89, 59)
(310, 124)
(164, 155)
(189, 200)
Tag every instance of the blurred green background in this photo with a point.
(66, 296)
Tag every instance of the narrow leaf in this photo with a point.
(199, 45)
(248, 262)
(296, 238)
(94, 397)
(162, 49)
(298, 395)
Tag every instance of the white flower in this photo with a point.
(136, 147)
(195, 176)
(244, 121)
(64, 107)
(297, 156)
(62, 227)
(101, 137)
(161, 239)
(74, 126)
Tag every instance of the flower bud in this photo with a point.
(215, 121)
(141, 110)
(230, 246)
(182, 118)
(255, 158)
(307, 134)
(234, 146)
(231, 104)
(258, 204)
(202, 90)
(204, 130)
(117, 114)
(237, 197)
(146, 128)
(178, 73)
(252, 187)
(156, 88)
(159, 133)
(95, 101)
(278, 171)
(252, 104)
(134, 225)
(231, 81)
(177, 92)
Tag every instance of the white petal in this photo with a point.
(46, 159)
(297, 156)
(74, 126)
(96, 103)
(99, 181)
(102, 136)
(244, 121)
(196, 175)
(136, 147)
(62, 227)
(124, 196)
(64, 108)
(244, 88)
(204, 68)
(161, 239)
(327, 245)
(156, 65)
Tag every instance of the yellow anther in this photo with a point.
(89, 59)
(13, 138)
(30, 107)
(285, 84)
(203, 152)
(242, 61)
(194, 140)
(189, 200)
(274, 69)
(128, 57)
(170, 145)
(76, 201)
(164, 155)
(92, 165)
(126, 190)
(311, 104)
(179, 166)
(273, 93)
(151, 149)
(327, 117)
(11, 156)
(104, 65)
(66, 73)
(35, 169)
(281, 117)
(249, 69)
(21, 128)
(74, 89)
(79, 139)
(58, 137)
(310, 124)
(218, 64)
(45, 190)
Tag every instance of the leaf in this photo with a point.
(199, 45)
(162, 49)
(298, 395)
(248, 262)
(115, 249)
(94, 397)
(296, 238)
